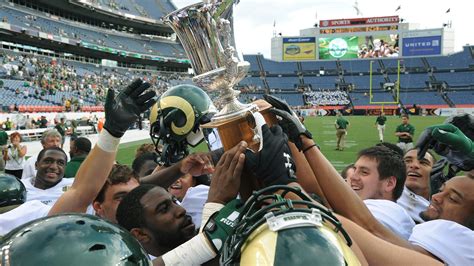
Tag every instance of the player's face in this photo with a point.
(418, 171)
(147, 168)
(166, 221)
(112, 198)
(52, 142)
(404, 120)
(454, 202)
(50, 168)
(365, 180)
(181, 186)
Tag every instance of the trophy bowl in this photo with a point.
(205, 32)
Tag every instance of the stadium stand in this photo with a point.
(418, 76)
(92, 35)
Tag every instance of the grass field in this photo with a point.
(361, 134)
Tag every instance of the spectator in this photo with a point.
(43, 122)
(62, 129)
(3, 145)
(14, 155)
(8, 124)
(79, 148)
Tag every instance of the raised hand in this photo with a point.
(123, 110)
(447, 140)
(289, 121)
(225, 182)
(272, 165)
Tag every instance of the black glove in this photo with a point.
(290, 122)
(122, 111)
(448, 141)
(437, 177)
(272, 165)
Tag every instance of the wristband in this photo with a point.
(107, 142)
(209, 209)
(195, 251)
(307, 149)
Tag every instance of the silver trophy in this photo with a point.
(205, 30)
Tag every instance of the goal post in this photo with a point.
(396, 87)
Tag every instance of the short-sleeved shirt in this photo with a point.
(447, 240)
(414, 204)
(392, 216)
(46, 196)
(61, 128)
(405, 128)
(381, 120)
(73, 166)
(341, 123)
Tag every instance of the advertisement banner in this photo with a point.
(299, 48)
(358, 21)
(370, 46)
(421, 46)
(338, 48)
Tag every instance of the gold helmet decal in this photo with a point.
(180, 104)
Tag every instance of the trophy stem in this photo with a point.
(232, 108)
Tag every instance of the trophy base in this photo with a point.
(235, 128)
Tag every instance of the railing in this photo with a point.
(35, 134)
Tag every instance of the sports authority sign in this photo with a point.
(358, 21)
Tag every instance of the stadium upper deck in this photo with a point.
(45, 25)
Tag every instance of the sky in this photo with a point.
(254, 19)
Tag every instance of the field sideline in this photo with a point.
(361, 134)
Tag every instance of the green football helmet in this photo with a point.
(12, 192)
(272, 230)
(175, 121)
(71, 239)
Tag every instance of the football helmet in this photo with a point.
(71, 239)
(175, 121)
(12, 192)
(272, 230)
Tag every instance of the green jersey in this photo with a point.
(341, 123)
(3, 138)
(381, 119)
(405, 128)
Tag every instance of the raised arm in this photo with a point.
(342, 198)
(120, 113)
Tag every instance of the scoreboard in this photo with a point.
(359, 38)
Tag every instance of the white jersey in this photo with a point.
(447, 240)
(413, 204)
(22, 214)
(392, 216)
(46, 196)
(29, 167)
(193, 202)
